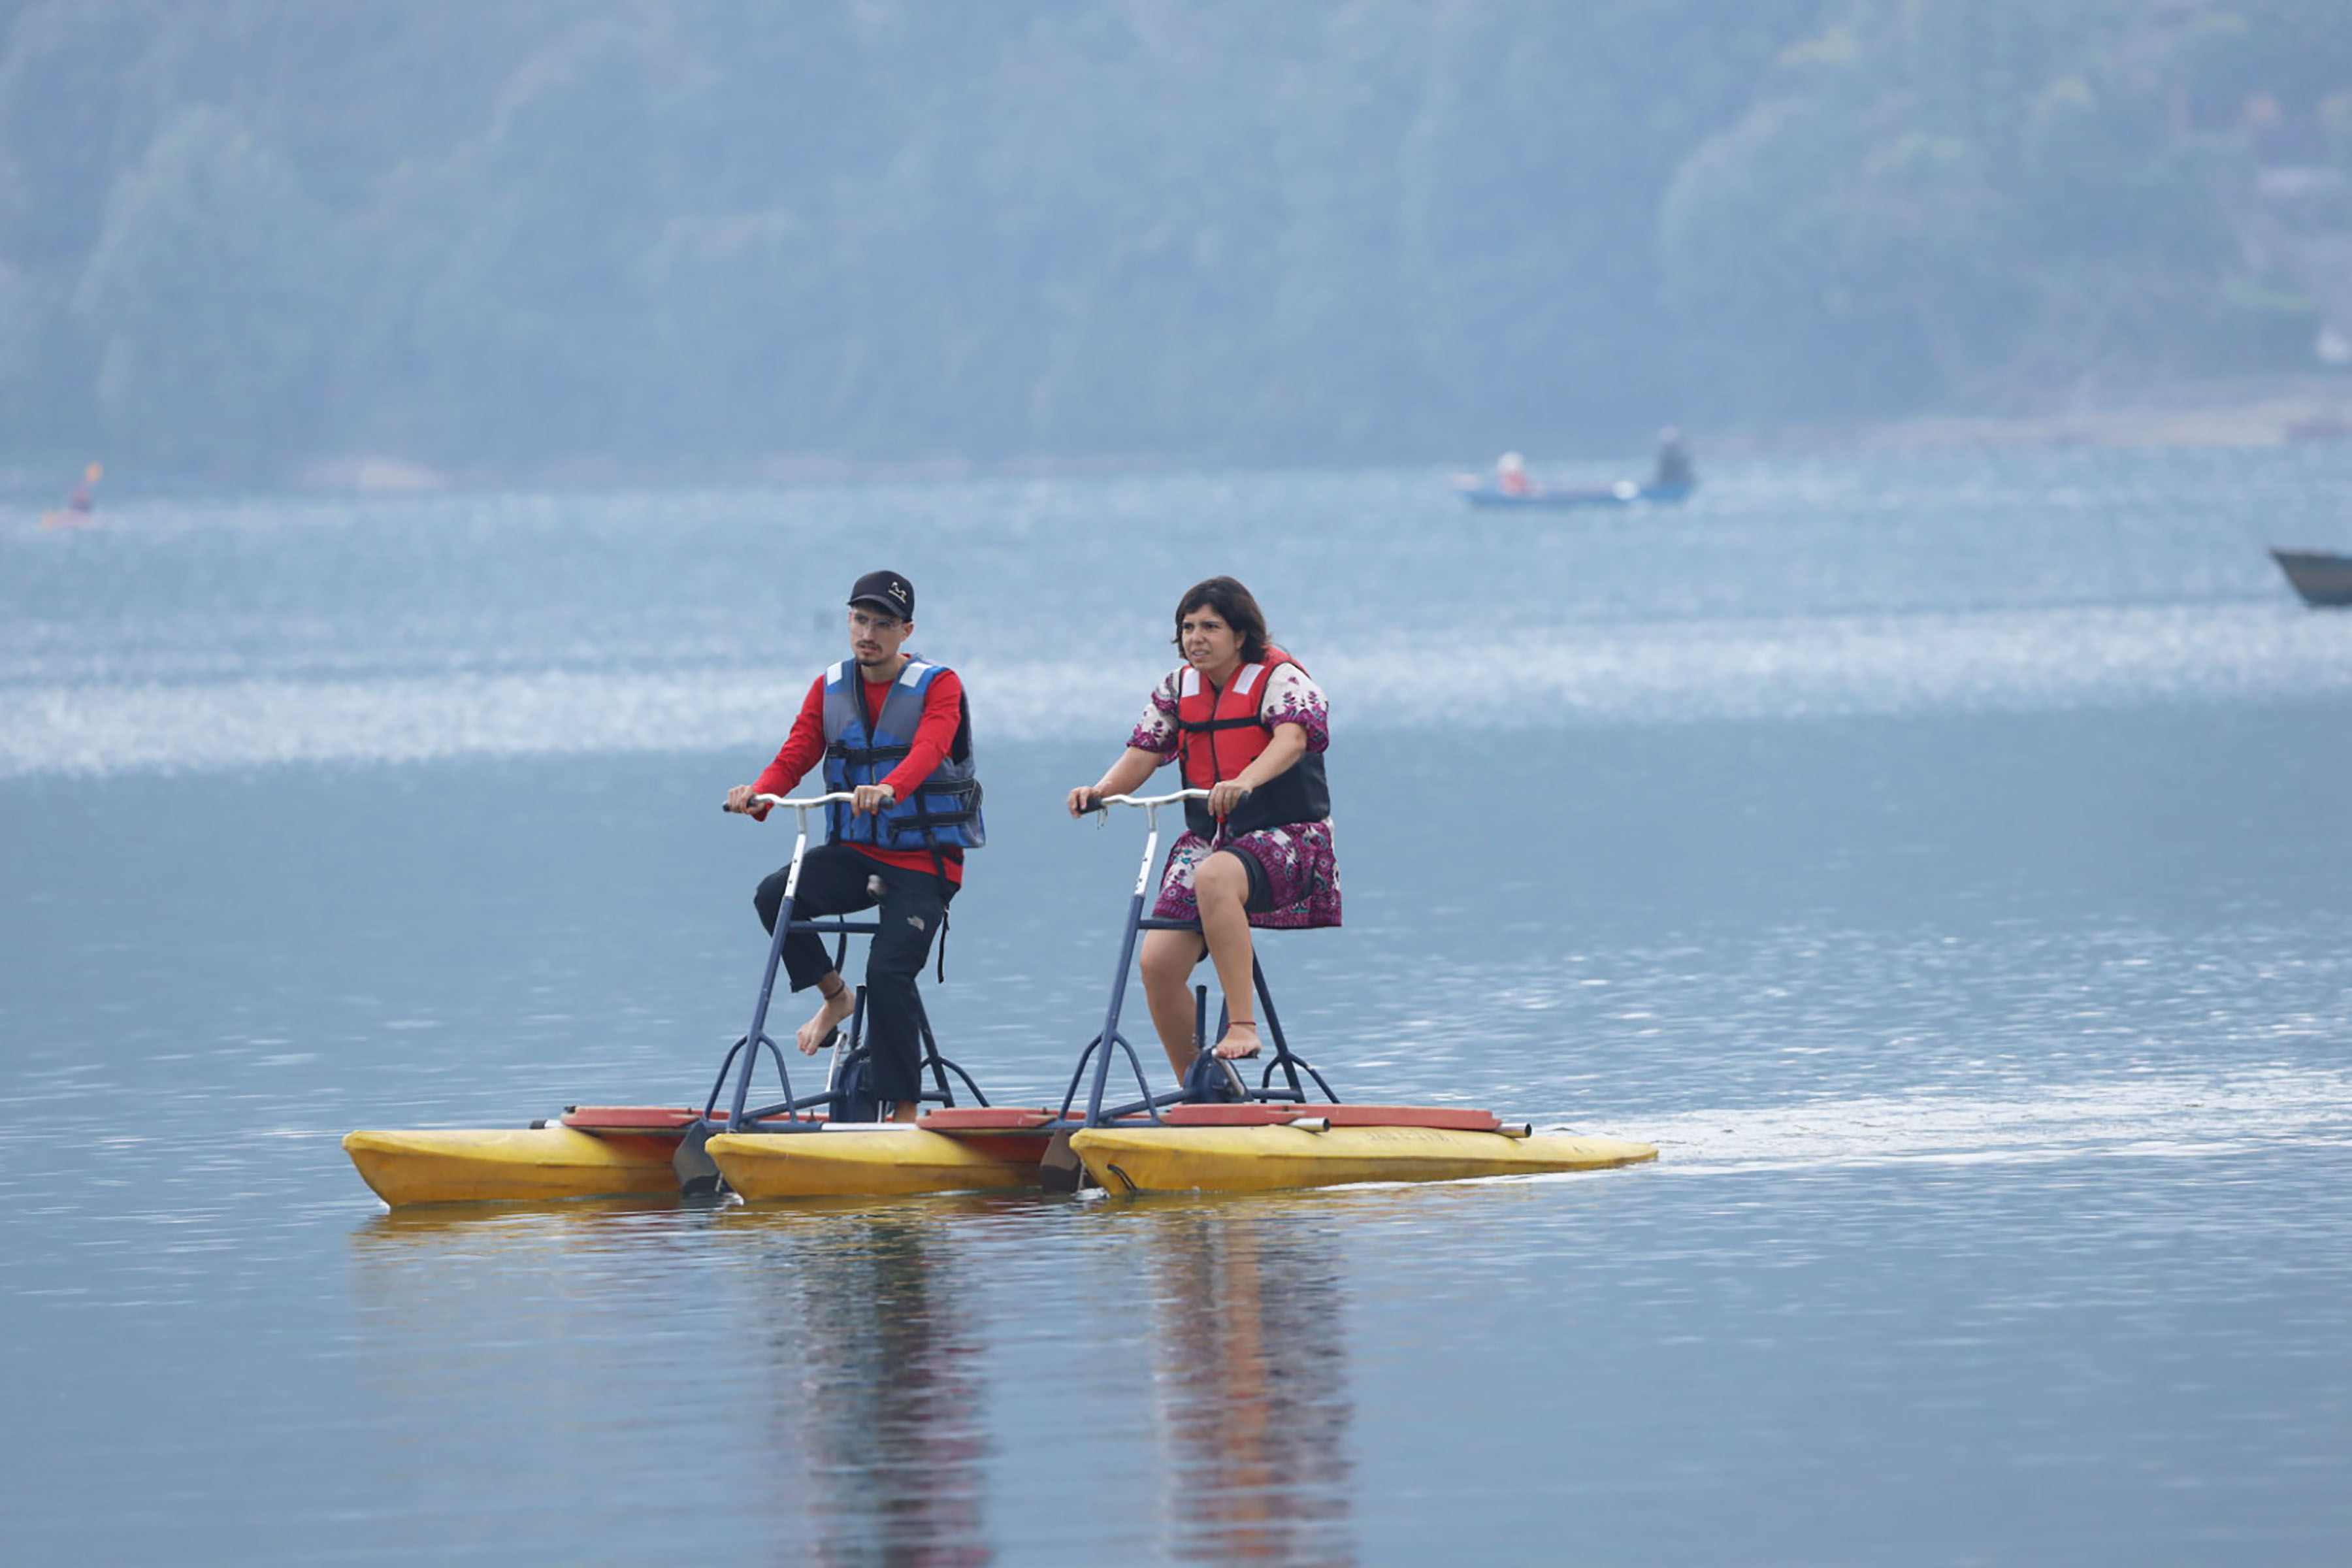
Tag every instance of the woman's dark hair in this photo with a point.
(1234, 604)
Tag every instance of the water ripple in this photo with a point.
(1653, 673)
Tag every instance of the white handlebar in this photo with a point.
(774, 802)
(808, 805)
(1151, 804)
(1104, 800)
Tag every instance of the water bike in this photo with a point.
(613, 1151)
(1217, 1131)
(1222, 1133)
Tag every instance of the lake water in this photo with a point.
(1944, 861)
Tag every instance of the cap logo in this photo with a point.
(888, 589)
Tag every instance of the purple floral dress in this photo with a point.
(1301, 868)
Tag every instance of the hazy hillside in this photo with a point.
(672, 236)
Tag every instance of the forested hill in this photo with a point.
(505, 235)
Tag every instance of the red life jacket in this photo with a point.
(1219, 732)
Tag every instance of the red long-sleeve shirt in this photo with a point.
(803, 749)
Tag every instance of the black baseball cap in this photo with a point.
(888, 591)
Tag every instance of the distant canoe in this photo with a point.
(2321, 577)
(1625, 492)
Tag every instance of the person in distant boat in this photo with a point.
(1674, 469)
(1246, 722)
(1511, 474)
(76, 509)
(895, 730)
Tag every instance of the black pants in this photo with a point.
(833, 879)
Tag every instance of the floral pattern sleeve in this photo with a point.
(1293, 698)
(1156, 730)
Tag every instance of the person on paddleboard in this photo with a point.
(1245, 722)
(895, 730)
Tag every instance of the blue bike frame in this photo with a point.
(743, 1057)
(1296, 1071)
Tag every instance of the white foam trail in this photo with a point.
(2188, 1118)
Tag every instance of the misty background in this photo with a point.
(498, 237)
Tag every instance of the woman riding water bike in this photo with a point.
(1245, 722)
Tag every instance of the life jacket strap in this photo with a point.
(866, 756)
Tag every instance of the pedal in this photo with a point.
(1213, 1080)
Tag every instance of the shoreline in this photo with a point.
(2254, 412)
(2249, 412)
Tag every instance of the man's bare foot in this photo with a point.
(1240, 1042)
(818, 1030)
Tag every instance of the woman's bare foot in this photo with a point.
(1240, 1042)
(813, 1034)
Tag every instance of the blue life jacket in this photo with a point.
(943, 811)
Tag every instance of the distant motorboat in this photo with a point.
(1480, 492)
(2322, 577)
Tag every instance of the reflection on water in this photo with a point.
(1253, 1386)
(875, 1408)
(396, 1236)
(869, 1367)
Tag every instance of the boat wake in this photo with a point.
(2159, 1119)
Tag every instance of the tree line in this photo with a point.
(676, 235)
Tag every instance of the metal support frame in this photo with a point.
(795, 1113)
(1098, 1050)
